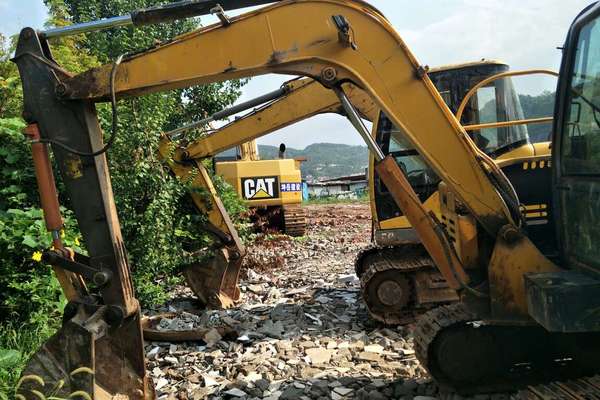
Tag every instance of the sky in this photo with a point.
(523, 33)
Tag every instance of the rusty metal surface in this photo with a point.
(405, 274)
(436, 243)
(294, 220)
(75, 124)
(215, 280)
(88, 356)
(432, 288)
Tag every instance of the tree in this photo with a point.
(158, 223)
(538, 106)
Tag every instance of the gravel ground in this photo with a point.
(301, 332)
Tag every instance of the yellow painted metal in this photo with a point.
(503, 124)
(432, 237)
(276, 40)
(305, 98)
(528, 153)
(509, 263)
(284, 171)
(194, 174)
(474, 89)
(299, 37)
(528, 161)
(249, 151)
(432, 204)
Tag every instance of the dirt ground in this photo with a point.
(301, 332)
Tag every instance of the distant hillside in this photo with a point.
(537, 107)
(330, 160)
(324, 160)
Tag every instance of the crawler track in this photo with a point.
(471, 356)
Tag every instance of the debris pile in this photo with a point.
(301, 332)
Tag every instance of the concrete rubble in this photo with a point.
(302, 331)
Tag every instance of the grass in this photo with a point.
(17, 345)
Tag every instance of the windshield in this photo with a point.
(420, 176)
(496, 102)
(581, 144)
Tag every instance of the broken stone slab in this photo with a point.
(343, 391)
(210, 381)
(368, 356)
(319, 355)
(291, 393)
(274, 330)
(348, 279)
(235, 392)
(212, 337)
(374, 348)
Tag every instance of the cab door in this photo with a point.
(577, 146)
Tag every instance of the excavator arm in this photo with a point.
(334, 42)
(304, 99)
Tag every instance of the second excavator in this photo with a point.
(398, 278)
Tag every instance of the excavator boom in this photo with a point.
(275, 43)
(303, 98)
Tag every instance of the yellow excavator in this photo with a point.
(272, 189)
(522, 317)
(398, 279)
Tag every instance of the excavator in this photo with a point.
(297, 99)
(272, 189)
(522, 317)
(398, 278)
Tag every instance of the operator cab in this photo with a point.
(577, 137)
(569, 300)
(493, 103)
(527, 166)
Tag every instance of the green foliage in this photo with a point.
(324, 159)
(161, 228)
(31, 300)
(538, 106)
(18, 183)
(11, 94)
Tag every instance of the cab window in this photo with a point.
(581, 145)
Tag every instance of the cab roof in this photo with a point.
(482, 62)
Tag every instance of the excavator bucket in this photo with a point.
(215, 280)
(88, 357)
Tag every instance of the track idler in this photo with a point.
(398, 283)
(215, 281)
(95, 353)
